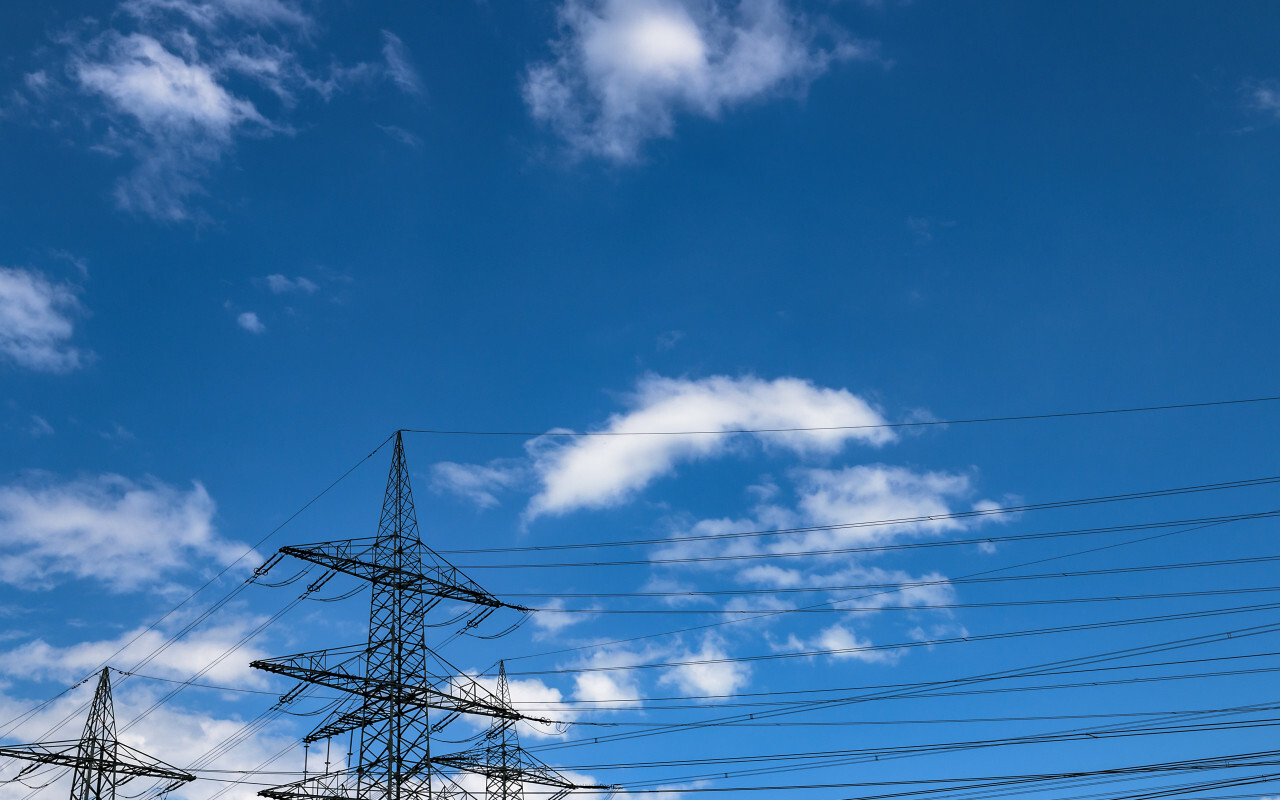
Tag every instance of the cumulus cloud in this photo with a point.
(36, 322)
(600, 471)
(609, 689)
(250, 322)
(875, 492)
(123, 533)
(708, 679)
(624, 69)
(849, 646)
(536, 699)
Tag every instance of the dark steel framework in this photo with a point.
(395, 679)
(100, 763)
(504, 763)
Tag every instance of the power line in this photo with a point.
(917, 424)
(1088, 626)
(921, 519)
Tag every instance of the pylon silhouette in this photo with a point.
(100, 762)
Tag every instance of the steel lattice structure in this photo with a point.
(507, 767)
(100, 762)
(391, 678)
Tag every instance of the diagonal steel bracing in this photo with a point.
(390, 679)
(100, 762)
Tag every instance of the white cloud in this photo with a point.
(177, 118)
(281, 284)
(534, 698)
(182, 81)
(608, 689)
(600, 471)
(399, 64)
(39, 660)
(1262, 96)
(126, 534)
(250, 322)
(713, 679)
(164, 92)
(475, 482)
(177, 735)
(551, 618)
(878, 492)
(36, 322)
(624, 69)
(211, 13)
(839, 637)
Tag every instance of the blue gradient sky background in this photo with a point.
(244, 241)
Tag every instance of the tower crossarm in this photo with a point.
(480, 762)
(344, 719)
(438, 578)
(328, 786)
(458, 694)
(345, 786)
(129, 764)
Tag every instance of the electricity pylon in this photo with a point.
(507, 767)
(100, 762)
(394, 679)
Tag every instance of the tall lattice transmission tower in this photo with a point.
(394, 679)
(100, 763)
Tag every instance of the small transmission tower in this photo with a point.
(391, 677)
(100, 762)
(504, 763)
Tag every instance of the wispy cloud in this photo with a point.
(281, 284)
(477, 482)
(178, 83)
(623, 70)
(400, 64)
(39, 427)
(126, 534)
(404, 137)
(36, 322)
(177, 118)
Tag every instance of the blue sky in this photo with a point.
(241, 241)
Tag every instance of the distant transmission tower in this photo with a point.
(395, 679)
(100, 762)
(504, 763)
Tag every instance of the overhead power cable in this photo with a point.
(887, 590)
(950, 683)
(915, 424)
(170, 640)
(966, 639)
(933, 518)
